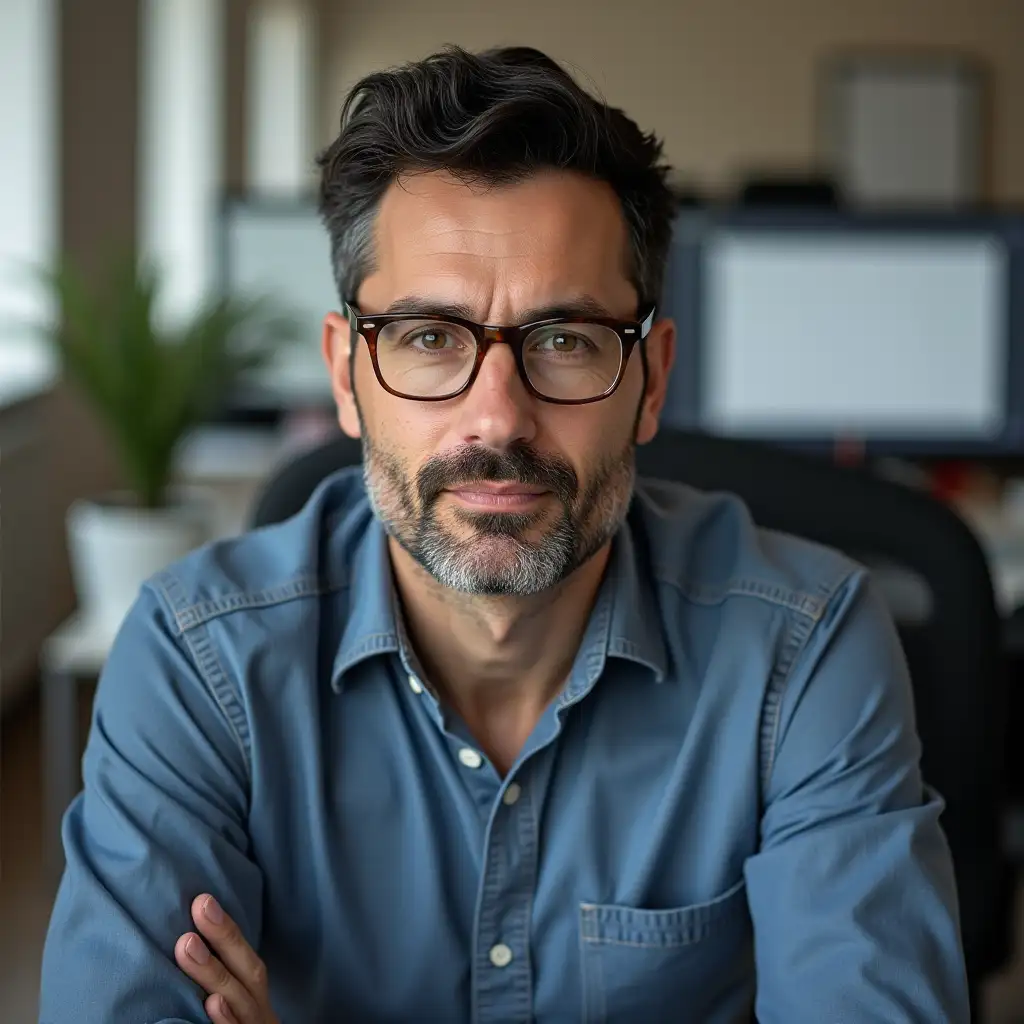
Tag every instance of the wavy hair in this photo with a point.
(491, 118)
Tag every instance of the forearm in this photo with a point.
(162, 818)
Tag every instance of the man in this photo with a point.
(488, 734)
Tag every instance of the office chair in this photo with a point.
(954, 655)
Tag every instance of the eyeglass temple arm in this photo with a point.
(648, 322)
(350, 315)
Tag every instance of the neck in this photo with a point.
(498, 661)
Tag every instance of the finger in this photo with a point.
(219, 1012)
(193, 956)
(227, 941)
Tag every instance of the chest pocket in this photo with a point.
(688, 964)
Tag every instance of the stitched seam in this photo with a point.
(202, 612)
(771, 715)
(217, 679)
(633, 944)
(797, 601)
(595, 658)
(584, 969)
(387, 635)
(202, 651)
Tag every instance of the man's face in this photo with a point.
(496, 491)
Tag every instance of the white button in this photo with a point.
(470, 758)
(501, 955)
(415, 685)
(512, 794)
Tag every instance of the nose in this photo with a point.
(497, 411)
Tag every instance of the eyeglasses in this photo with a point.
(432, 358)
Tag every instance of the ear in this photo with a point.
(336, 345)
(660, 348)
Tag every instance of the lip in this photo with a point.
(497, 495)
(497, 487)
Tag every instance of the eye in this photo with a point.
(432, 339)
(562, 343)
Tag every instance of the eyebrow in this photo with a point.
(582, 306)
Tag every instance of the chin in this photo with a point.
(521, 527)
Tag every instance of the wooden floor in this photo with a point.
(25, 896)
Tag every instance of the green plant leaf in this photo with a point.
(150, 385)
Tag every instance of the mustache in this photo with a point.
(521, 464)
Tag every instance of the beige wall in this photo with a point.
(729, 84)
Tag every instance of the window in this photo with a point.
(28, 187)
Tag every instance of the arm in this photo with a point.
(162, 818)
(852, 893)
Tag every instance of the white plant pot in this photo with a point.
(115, 546)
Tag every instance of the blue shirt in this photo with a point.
(722, 806)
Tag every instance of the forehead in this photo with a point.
(544, 239)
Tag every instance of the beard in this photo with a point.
(503, 554)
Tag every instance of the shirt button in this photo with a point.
(470, 758)
(512, 794)
(501, 955)
(415, 685)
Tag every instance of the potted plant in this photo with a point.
(149, 385)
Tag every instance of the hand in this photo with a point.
(235, 979)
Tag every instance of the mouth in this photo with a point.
(502, 496)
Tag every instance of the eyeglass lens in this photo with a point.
(431, 358)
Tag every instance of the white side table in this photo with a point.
(76, 650)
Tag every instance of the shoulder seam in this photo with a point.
(199, 613)
(810, 605)
(210, 670)
(796, 644)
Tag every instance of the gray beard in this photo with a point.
(498, 560)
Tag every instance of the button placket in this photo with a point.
(502, 974)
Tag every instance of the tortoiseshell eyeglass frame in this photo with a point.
(629, 332)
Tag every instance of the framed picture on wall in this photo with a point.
(906, 128)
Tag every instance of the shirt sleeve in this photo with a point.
(852, 893)
(161, 819)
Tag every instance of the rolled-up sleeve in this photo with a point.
(161, 819)
(852, 893)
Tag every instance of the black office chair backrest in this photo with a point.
(954, 654)
(289, 488)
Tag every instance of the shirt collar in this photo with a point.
(635, 632)
(371, 628)
(625, 621)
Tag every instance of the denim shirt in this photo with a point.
(721, 811)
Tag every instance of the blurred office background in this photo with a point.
(847, 271)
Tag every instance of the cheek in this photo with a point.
(411, 430)
(587, 435)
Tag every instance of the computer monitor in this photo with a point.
(280, 249)
(901, 334)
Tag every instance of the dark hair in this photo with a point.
(493, 118)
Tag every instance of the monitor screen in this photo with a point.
(854, 335)
(282, 250)
(902, 333)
